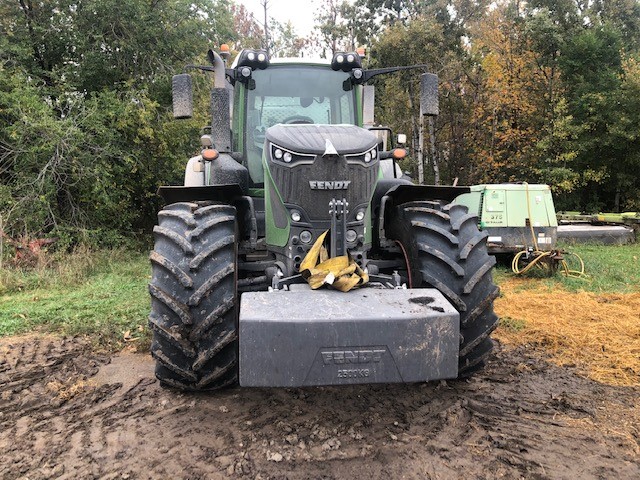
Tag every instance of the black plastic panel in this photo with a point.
(222, 193)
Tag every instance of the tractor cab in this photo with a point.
(288, 92)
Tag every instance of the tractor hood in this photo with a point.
(318, 139)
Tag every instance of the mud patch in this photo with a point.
(521, 418)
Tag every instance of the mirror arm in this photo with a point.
(204, 68)
(369, 74)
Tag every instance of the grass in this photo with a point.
(608, 268)
(99, 294)
(512, 324)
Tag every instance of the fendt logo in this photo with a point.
(329, 185)
(340, 357)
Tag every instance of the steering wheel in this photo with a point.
(295, 119)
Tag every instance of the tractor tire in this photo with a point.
(194, 296)
(445, 250)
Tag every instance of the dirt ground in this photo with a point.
(67, 412)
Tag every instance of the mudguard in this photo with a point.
(217, 193)
(404, 193)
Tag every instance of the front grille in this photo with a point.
(293, 184)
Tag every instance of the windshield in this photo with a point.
(301, 94)
(293, 94)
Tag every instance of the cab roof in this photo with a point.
(300, 61)
(323, 62)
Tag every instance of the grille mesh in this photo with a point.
(293, 184)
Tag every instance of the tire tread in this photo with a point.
(193, 296)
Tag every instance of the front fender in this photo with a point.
(217, 193)
(404, 193)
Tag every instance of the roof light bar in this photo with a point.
(254, 59)
(346, 61)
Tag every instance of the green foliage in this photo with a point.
(86, 134)
(603, 100)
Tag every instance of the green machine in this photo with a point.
(515, 216)
(286, 163)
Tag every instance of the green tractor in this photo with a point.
(286, 159)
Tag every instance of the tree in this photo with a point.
(337, 27)
(248, 33)
(85, 136)
(420, 42)
(515, 89)
(625, 137)
(329, 27)
(436, 34)
(592, 69)
(285, 42)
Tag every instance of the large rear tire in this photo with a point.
(194, 297)
(445, 250)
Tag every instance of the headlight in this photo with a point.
(367, 157)
(346, 61)
(283, 156)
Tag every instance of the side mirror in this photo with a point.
(182, 91)
(368, 104)
(429, 104)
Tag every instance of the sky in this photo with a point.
(299, 12)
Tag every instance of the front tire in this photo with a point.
(445, 250)
(194, 297)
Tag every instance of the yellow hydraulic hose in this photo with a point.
(541, 259)
(539, 262)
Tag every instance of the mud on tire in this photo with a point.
(193, 296)
(446, 251)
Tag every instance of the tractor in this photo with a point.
(289, 162)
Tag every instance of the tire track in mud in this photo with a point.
(67, 412)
